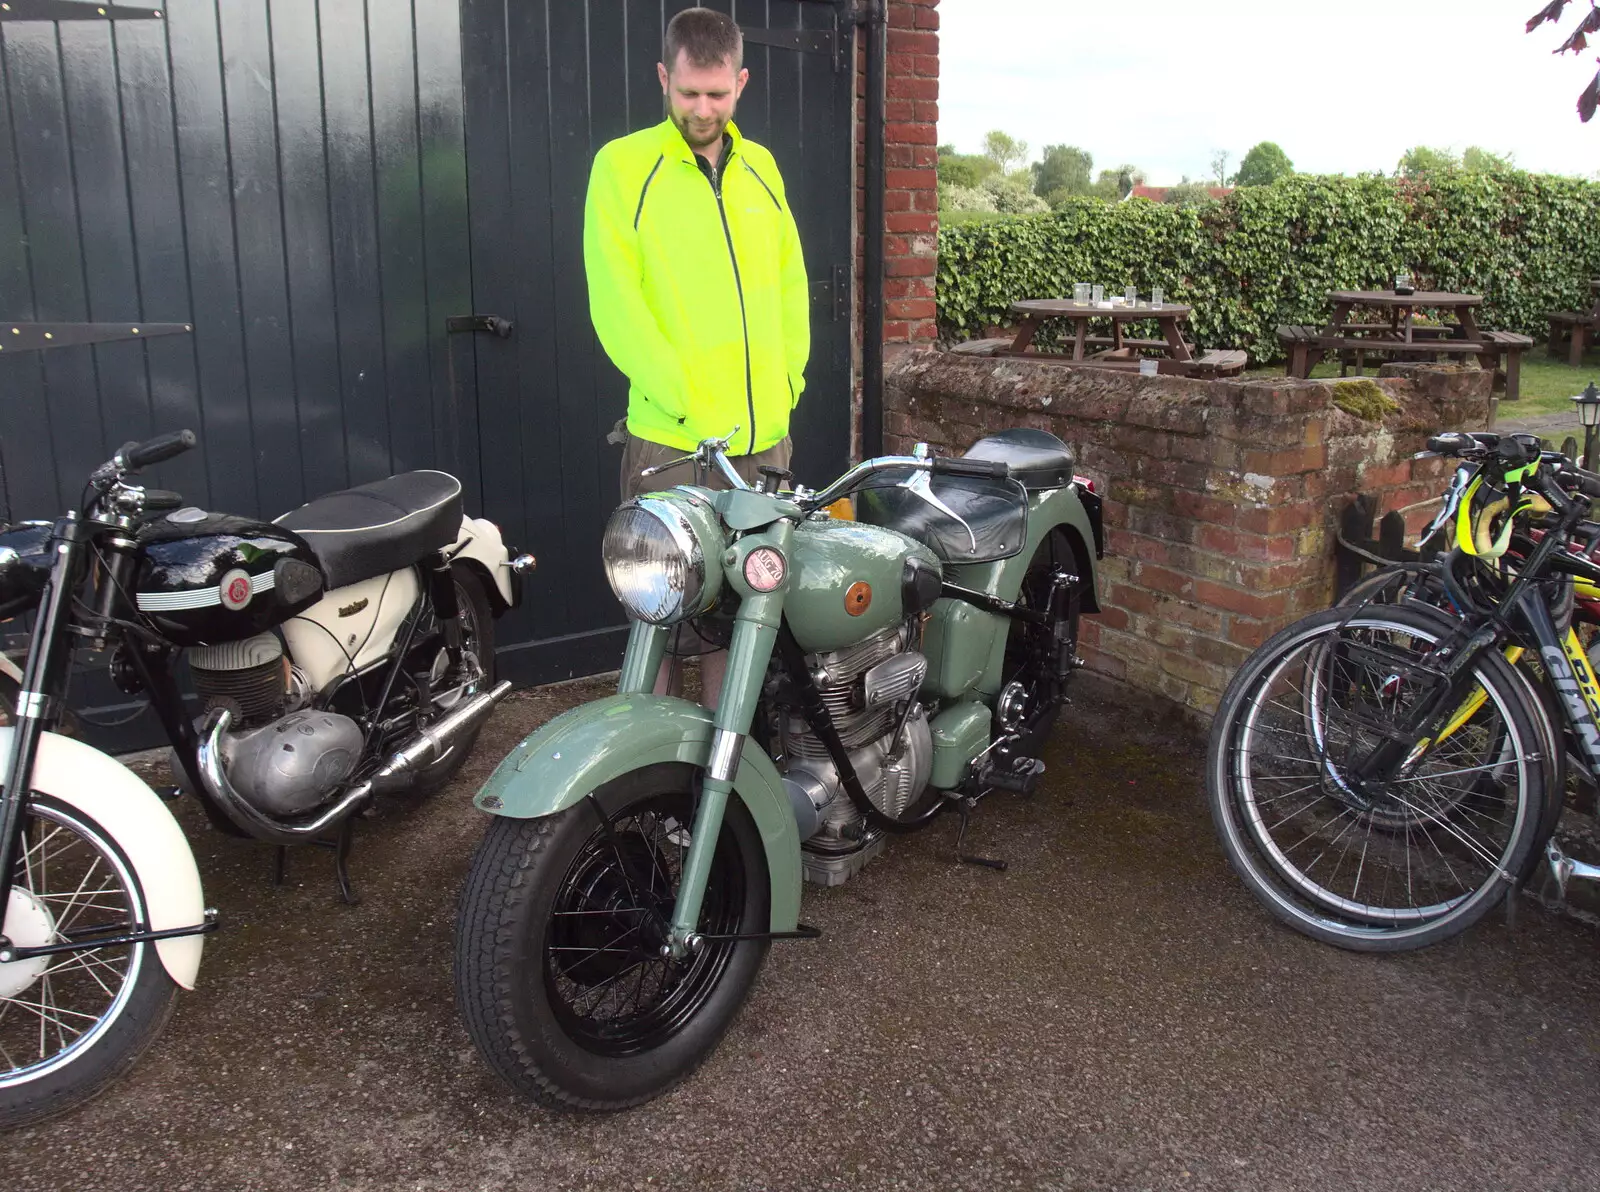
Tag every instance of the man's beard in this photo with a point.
(697, 139)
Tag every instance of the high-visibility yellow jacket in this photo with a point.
(697, 288)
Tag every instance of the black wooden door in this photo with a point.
(547, 82)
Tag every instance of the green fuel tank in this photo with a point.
(847, 581)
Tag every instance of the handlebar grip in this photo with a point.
(156, 499)
(162, 447)
(1587, 483)
(986, 469)
(1448, 443)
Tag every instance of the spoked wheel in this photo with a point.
(559, 965)
(72, 1022)
(1388, 860)
(477, 640)
(1415, 584)
(1035, 653)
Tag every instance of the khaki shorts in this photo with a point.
(639, 454)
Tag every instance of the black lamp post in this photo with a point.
(1589, 414)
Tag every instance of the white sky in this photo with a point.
(1343, 87)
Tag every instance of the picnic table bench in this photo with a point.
(1403, 338)
(1115, 351)
(1575, 327)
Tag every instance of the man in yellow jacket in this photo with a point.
(697, 286)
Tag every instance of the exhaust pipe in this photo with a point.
(426, 745)
(433, 742)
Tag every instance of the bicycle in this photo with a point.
(1380, 773)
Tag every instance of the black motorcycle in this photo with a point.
(342, 652)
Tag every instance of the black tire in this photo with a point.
(513, 968)
(1433, 847)
(1414, 585)
(477, 625)
(64, 848)
(1030, 649)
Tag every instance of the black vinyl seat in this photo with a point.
(995, 510)
(1037, 458)
(376, 528)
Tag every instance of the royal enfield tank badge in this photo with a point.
(235, 589)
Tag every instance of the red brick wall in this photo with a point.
(1220, 497)
(911, 198)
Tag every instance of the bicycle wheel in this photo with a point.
(1373, 863)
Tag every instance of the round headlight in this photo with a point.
(655, 561)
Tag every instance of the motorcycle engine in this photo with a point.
(284, 758)
(870, 691)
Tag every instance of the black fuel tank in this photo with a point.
(206, 578)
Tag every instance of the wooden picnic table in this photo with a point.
(1396, 333)
(1173, 353)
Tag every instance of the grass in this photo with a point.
(1547, 388)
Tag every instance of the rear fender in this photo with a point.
(479, 544)
(1048, 511)
(566, 759)
(130, 812)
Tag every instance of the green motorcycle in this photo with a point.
(880, 670)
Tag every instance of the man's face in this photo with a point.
(701, 99)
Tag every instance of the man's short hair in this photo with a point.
(710, 38)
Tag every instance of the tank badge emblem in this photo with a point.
(235, 589)
(764, 569)
(353, 608)
(858, 598)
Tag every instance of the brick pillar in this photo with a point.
(911, 201)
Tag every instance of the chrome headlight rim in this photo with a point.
(694, 595)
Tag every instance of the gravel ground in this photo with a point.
(1113, 1012)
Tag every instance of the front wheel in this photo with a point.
(72, 1022)
(1371, 857)
(559, 971)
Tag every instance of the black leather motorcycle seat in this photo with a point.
(1037, 457)
(376, 528)
(994, 509)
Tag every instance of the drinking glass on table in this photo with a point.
(1080, 291)
(1131, 295)
(1099, 295)
(1155, 295)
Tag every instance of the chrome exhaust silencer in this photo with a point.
(425, 746)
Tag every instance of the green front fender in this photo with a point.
(559, 763)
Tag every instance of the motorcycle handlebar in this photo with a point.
(154, 451)
(987, 469)
(161, 498)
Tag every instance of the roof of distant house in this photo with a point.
(1158, 194)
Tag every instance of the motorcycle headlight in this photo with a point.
(655, 553)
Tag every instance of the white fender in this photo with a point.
(480, 539)
(133, 815)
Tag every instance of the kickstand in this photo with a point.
(280, 864)
(964, 809)
(341, 861)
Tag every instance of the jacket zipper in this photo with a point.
(744, 319)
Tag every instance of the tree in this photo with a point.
(1577, 41)
(964, 169)
(1263, 166)
(1116, 184)
(1422, 160)
(1006, 152)
(1481, 161)
(1064, 169)
(1219, 166)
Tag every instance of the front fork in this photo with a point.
(755, 633)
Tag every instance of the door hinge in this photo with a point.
(832, 293)
(494, 324)
(73, 10)
(835, 42)
(41, 337)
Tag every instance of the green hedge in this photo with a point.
(1265, 255)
